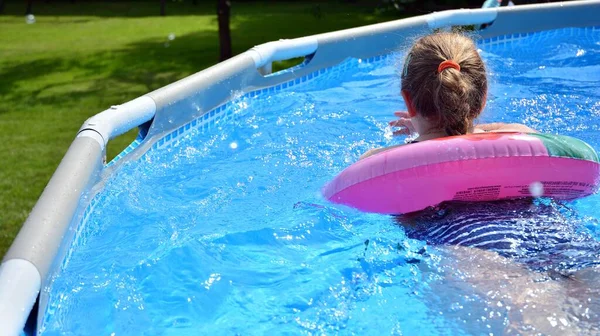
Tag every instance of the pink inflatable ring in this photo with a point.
(473, 167)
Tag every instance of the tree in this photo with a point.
(223, 13)
(29, 9)
(162, 8)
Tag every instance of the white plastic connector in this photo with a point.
(283, 49)
(461, 17)
(118, 119)
(20, 284)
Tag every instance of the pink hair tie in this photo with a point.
(448, 64)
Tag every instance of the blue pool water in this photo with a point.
(225, 231)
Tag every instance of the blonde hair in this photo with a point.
(452, 98)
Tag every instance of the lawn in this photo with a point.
(77, 59)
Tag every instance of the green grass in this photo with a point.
(78, 59)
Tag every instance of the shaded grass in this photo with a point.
(78, 59)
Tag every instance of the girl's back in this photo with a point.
(544, 237)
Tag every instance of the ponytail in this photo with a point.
(451, 99)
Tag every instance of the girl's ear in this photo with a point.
(409, 104)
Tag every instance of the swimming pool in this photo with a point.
(218, 226)
(222, 229)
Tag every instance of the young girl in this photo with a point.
(444, 86)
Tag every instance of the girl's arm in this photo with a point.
(405, 127)
(502, 127)
(493, 127)
(374, 151)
